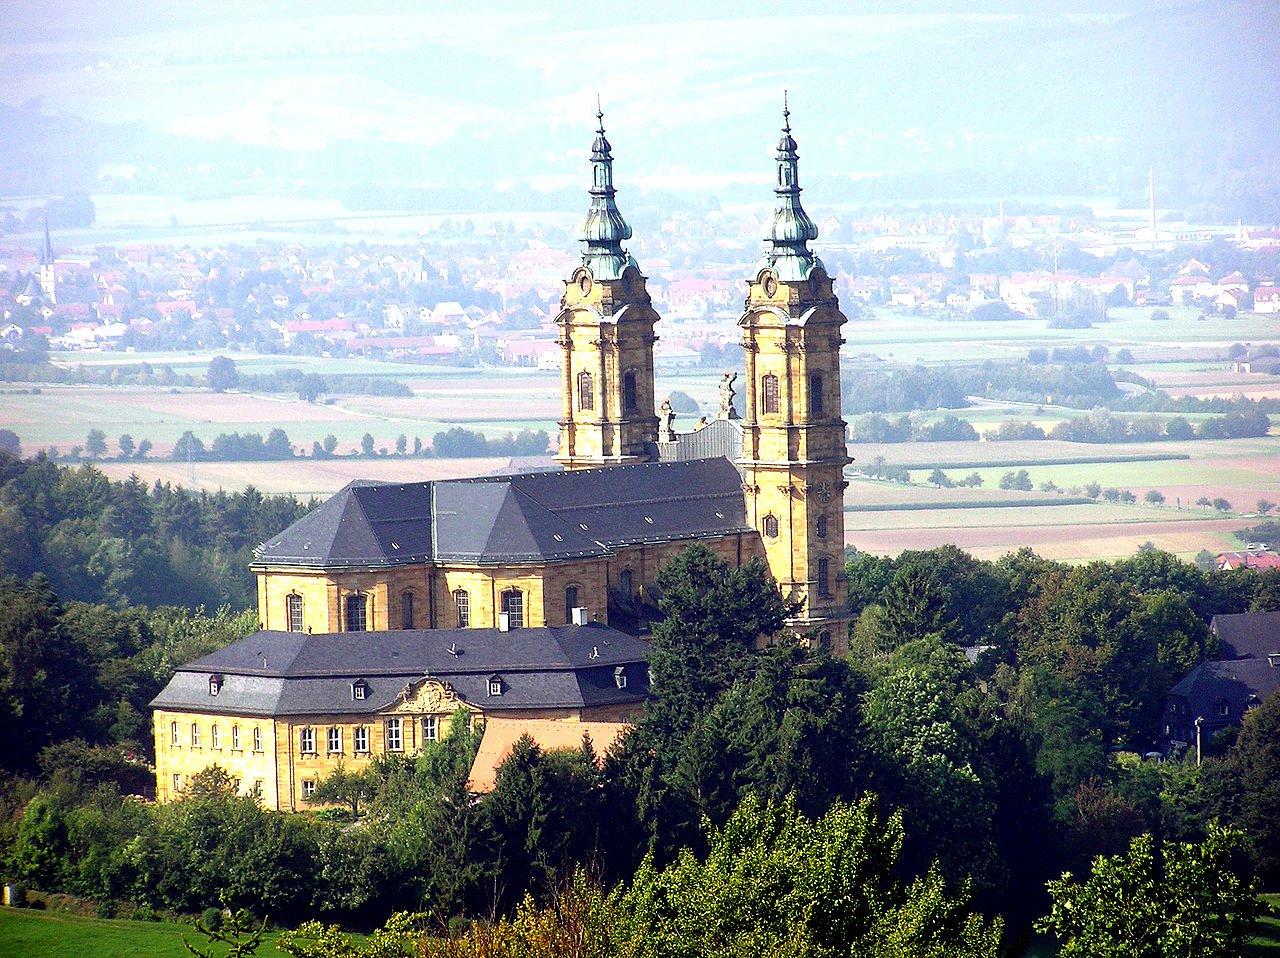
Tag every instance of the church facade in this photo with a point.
(507, 561)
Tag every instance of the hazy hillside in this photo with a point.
(981, 103)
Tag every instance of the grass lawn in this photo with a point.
(28, 933)
(1267, 944)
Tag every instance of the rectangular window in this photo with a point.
(173, 732)
(586, 391)
(769, 393)
(307, 741)
(570, 603)
(177, 782)
(235, 737)
(430, 728)
(824, 586)
(406, 611)
(215, 736)
(308, 788)
(395, 742)
(355, 608)
(513, 605)
(257, 740)
(293, 606)
(816, 402)
(360, 738)
(462, 600)
(257, 787)
(195, 735)
(335, 739)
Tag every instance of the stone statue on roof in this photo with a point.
(666, 422)
(726, 397)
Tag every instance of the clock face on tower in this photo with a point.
(823, 491)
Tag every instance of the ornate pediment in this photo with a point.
(426, 695)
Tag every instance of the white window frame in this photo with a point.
(360, 739)
(307, 740)
(333, 740)
(394, 740)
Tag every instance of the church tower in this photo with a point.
(48, 287)
(606, 331)
(793, 444)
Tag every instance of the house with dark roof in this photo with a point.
(1217, 694)
(279, 710)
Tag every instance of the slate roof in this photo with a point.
(292, 673)
(1247, 634)
(523, 517)
(1240, 684)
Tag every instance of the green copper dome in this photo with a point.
(604, 229)
(788, 253)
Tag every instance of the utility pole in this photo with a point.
(1199, 726)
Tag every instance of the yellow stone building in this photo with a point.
(387, 577)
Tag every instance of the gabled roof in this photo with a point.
(524, 517)
(291, 673)
(1247, 634)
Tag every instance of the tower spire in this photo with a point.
(788, 254)
(46, 250)
(604, 229)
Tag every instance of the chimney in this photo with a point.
(581, 616)
(504, 621)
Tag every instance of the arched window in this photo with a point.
(824, 577)
(769, 393)
(586, 391)
(513, 605)
(629, 391)
(462, 602)
(355, 609)
(293, 611)
(816, 402)
(624, 582)
(770, 526)
(570, 603)
(406, 610)
(821, 527)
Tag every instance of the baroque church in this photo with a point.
(520, 597)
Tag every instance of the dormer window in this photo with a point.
(495, 685)
(359, 690)
(620, 677)
(215, 684)
(1224, 709)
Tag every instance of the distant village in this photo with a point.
(467, 295)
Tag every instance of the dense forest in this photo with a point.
(945, 790)
(125, 544)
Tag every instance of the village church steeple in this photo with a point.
(48, 281)
(605, 327)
